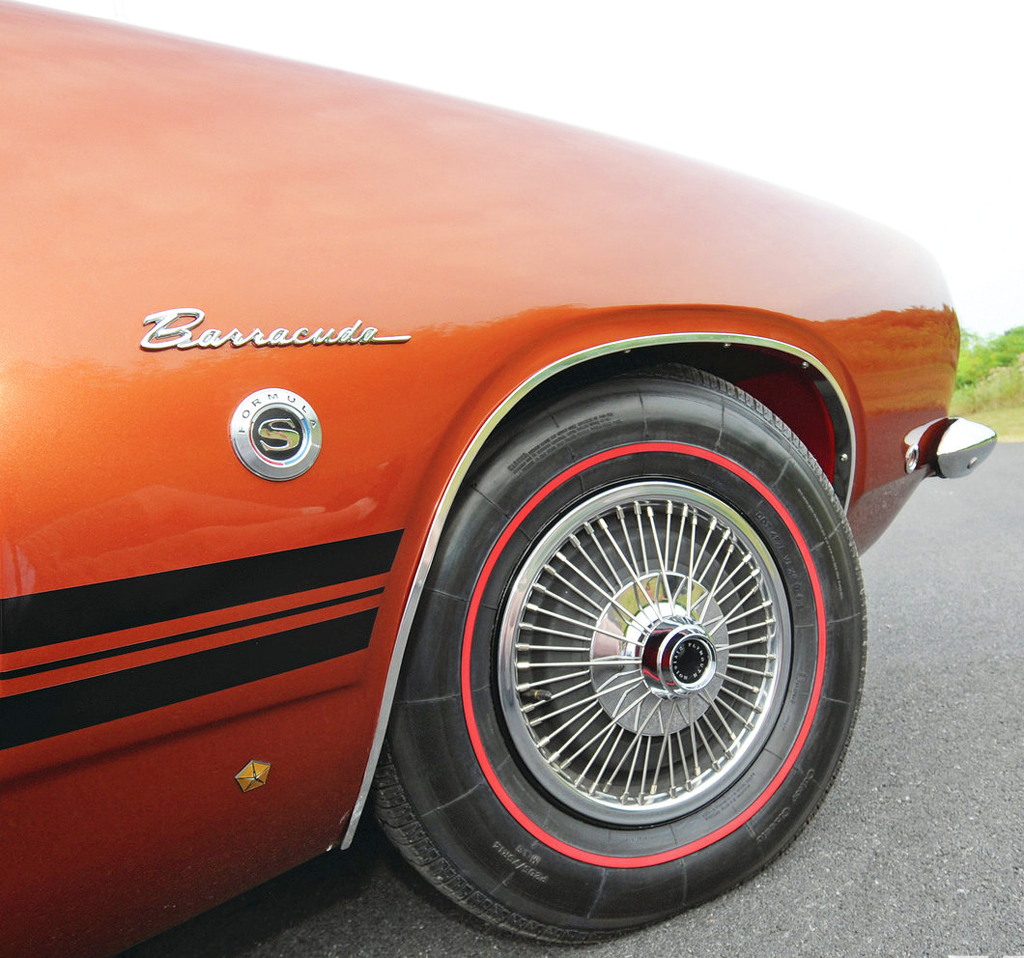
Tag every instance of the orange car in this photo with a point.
(376, 445)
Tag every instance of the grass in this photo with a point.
(997, 400)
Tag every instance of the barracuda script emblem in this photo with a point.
(276, 434)
(178, 329)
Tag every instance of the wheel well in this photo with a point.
(791, 387)
(772, 375)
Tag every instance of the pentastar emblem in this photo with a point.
(253, 776)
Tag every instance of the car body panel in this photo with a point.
(146, 173)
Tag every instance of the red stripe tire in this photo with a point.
(636, 665)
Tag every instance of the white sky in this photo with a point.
(909, 112)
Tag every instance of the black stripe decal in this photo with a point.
(183, 637)
(32, 716)
(45, 618)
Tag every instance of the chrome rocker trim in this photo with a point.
(845, 466)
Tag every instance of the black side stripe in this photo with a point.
(46, 618)
(184, 636)
(32, 716)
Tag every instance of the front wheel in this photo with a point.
(636, 664)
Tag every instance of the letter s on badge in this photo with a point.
(278, 435)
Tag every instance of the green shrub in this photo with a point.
(979, 356)
(1001, 387)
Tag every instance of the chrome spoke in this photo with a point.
(616, 714)
(569, 721)
(588, 699)
(540, 683)
(747, 628)
(723, 540)
(638, 738)
(680, 537)
(640, 536)
(598, 712)
(712, 525)
(612, 588)
(693, 742)
(665, 739)
(753, 706)
(634, 566)
(527, 647)
(668, 537)
(605, 733)
(661, 558)
(630, 563)
(725, 724)
(721, 703)
(728, 620)
(712, 595)
(587, 627)
(736, 681)
(611, 754)
(611, 598)
(689, 572)
(687, 780)
(698, 613)
(560, 598)
(604, 555)
(704, 741)
(574, 664)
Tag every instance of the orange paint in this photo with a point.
(144, 173)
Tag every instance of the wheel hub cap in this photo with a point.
(677, 658)
(641, 652)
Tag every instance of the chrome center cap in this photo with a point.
(677, 658)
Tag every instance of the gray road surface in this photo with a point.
(918, 850)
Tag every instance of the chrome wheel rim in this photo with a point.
(642, 652)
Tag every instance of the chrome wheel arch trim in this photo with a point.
(837, 402)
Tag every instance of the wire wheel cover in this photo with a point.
(643, 651)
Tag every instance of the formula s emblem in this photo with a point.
(276, 434)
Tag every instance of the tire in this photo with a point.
(586, 737)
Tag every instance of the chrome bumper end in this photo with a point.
(963, 447)
(949, 448)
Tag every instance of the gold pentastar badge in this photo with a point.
(253, 776)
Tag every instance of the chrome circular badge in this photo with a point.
(276, 434)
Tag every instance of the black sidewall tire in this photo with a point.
(457, 806)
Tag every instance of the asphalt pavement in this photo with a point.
(917, 851)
